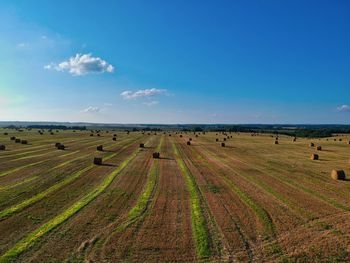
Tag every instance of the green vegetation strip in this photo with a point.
(9, 211)
(269, 227)
(33, 237)
(198, 222)
(142, 203)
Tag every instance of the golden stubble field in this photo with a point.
(250, 201)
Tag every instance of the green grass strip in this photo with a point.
(9, 211)
(142, 203)
(269, 227)
(198, 222)
(33, 237)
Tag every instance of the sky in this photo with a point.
(183, 61)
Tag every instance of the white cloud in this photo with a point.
(91, 109)
(344, 108)
(107, 104)
(23, 45)
(151, 103)
(82, 64)
(128, 95)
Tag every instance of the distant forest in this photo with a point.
(299, 130)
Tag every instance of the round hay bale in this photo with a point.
(61, 147)
(91, 135)
(222, 144)
(340, 140)
(216, 139)
(190, 139)
(319, 148)
(276, 142)
(348, 142)
(114, 139)
(13, 138)
(17, 140)
(197, 135)
(156, 155)
(142, 145)
(2, 147)
(180, 135)
(5, 133)
(312, 144)
(224, 139)
(97, 160)
(294, 140)
(115, 135)
(99, 148)
(98, 135)
(169, 135)
(188, 143)
(314, 156)
(57, 144)
(338, 175)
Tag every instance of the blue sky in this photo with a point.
(175, 61)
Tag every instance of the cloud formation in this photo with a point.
(344, 108)
(91, 109)
(145, 93)
(151, 103)
(82, 64)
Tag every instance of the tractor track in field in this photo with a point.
(237, 225)
(203, 222)
(268, 233)
(32, 238)
(13, 209)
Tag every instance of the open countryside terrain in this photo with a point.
(252, 200)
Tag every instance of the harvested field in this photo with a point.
(238, 203)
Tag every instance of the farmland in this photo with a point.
(250, 201)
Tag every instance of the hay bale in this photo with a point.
(224, 139)
(188, 143)
(180, 135)
(142, 145)
(314, 156)
(156, 155)
(190, 139)
(338, 175)
(319, 148)
(17, 140)
(61, 147)
(340, 140)
(57, 144)
(2, 147)
(98, 135)
(216, 139)
(196, 135)
(348, 142)
(294, 140)
(115, 135)
(24, 141)
(114, 139)
(13, 138)
(97, 160)
(222, 144)
(312, 144)
(169, 135)
(335, 140)
(91, 135)
(99, 148)
(276, 141)
(5, 133)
